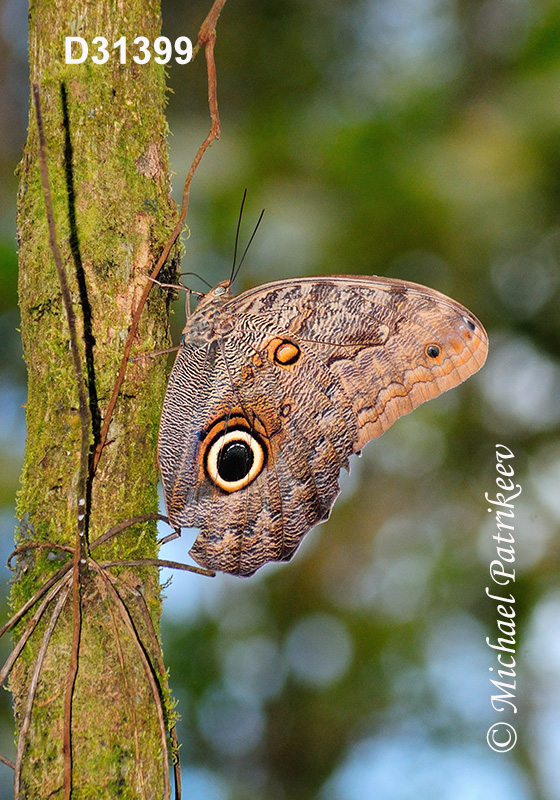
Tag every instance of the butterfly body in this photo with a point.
(274, 389)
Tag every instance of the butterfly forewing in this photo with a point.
(373, 335)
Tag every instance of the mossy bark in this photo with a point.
(107, 158)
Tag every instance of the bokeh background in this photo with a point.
(417, 139)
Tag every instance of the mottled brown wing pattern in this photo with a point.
(274, 389)
(372, 335)
(263, 521)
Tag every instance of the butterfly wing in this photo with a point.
(226, 391)
(309, 371)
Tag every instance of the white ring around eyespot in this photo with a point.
(214, 452)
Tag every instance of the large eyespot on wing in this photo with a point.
(234, 457)
(267, 481)
(268, 460)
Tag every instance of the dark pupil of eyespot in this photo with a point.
(433, 351)
(235, 461)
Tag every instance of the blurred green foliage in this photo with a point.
(418, 139)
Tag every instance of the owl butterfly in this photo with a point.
(272, 390)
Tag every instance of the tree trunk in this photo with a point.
(107, 158)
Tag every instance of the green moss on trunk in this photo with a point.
(107, 158)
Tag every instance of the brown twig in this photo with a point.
(37, 596)
(128, 693)
(22, 641)
(36, 545)
(85, 416)
(26, 722)
(72, 674)
(7, 762)
(65, 568)
(161, 671)
(55, 584)
(128, 621)
(80, 552)
(121, 526)
(160, 562)
(206, 39)
(105, 537)
(176, 761)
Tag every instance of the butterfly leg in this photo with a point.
(170, 536)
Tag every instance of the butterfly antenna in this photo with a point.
(233, 271)
(196, 275)
(235, 274)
